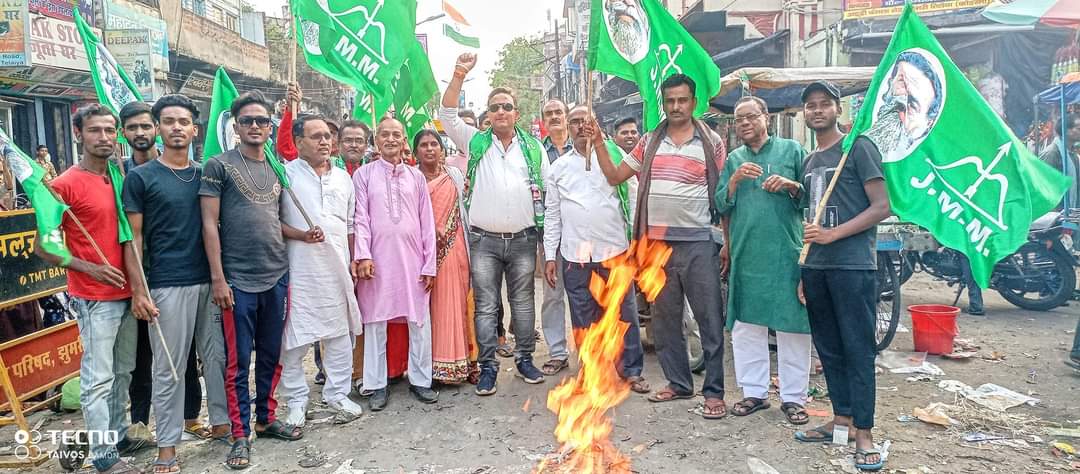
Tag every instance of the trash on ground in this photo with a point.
(818, 413)
(935, 414)
(992, 396)
(758, 466)
(961, 355)
(920, 378)
(964, 345)
(906, 419)
(894, 359)
(994, 356)
(846, 464)
(927, 368)
(1064, 448)
(1031, 377)
(1067, 432)
(977, 437)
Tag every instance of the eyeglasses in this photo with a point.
(747, 118)
(247, 120)
(353, 141)
(507, 107)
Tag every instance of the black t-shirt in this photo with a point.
(848, 199)
(172, 223)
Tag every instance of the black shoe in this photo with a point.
(528, 372)
(975, 311)
(424, 394)
(486, 385)
(378, 399)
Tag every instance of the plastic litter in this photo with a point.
(758, 466)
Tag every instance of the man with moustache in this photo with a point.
(759, 198)
(100, 291)
(353, 142)
(394, 261)
(504, 198)
(137, 126)
(249, 272)
(161, 199)
(553, 310)
(322, 305)
(626, 134)
(838, 276)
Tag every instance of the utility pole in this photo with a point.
(558, 63)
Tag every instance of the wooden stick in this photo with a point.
(588, 105)
(296, 202)
(820, 208)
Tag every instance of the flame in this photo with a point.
(583, 401)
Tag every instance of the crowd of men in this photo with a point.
(364, 252)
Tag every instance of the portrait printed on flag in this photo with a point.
(908, 105)
(628, 28)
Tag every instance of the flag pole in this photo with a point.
(138, 260)
(589, 107)
(292, 58)
(820, 208)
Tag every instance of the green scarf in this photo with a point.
(530, 147)
(337, 161)
(116, 175)
(623, 189)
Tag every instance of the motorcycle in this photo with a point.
(1039, 276)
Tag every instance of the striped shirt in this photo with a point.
(679, 194)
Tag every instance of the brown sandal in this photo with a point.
(554, 366)
(793, 411)
(714, 409)
(638, 384)
(749, 405)
(668, 394)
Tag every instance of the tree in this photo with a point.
(520, 60)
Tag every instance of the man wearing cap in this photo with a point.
(759, 198)
(838, 276)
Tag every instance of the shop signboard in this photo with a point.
(24, 276)
(860, 9)
(14, 33)
(132, 51)
(56, 43)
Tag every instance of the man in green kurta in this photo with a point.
(759, 198)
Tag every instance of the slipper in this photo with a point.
(638, 384)
(281, 431)
(199, 430)
(865, 466)
(668, 394)
(1074, 363)
(826, 435)
(505, 351)
(171, 466)
(554, 366)
(241, 451)
(749, 405)
(714, 409)
(792, 410)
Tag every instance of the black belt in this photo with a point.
(504, 235)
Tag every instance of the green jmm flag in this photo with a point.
(363, 104)
(220, 134)
(361, 43)
(114, 88)
(951, 165)
(48, 210)
(642, 43)
(413, 88)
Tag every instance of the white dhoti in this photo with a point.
(337, 364)
(750, 347)
(419, 354)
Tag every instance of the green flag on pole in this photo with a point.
(951, 165)
(114, 88)
(220, 131)
(365, 102)
(642, 43)
(361, 43)
(413, 88)
(48, 210)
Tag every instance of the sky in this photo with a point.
(495, 22)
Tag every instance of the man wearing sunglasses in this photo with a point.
(505, 203)
(249, 272)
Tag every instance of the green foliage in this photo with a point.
(519, 60)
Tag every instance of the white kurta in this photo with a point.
(322, 304)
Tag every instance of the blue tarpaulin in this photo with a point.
(1053, 95)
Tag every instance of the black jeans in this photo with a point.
(585, 310)
(142, 386)
(842, 308)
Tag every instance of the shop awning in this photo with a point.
(1028, 12)
(782, 88)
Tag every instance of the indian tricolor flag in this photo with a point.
(458, 28)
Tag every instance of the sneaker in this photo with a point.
(528, 372)
(297, 415)
(348, 408)
(424, 394)
(378, 399)
(487, 384)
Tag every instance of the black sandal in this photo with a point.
(804, 436)
(241, 451)
(749, 405)
(282, 431)
(792, 410)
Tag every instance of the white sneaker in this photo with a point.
(346, 406)
(297, 415)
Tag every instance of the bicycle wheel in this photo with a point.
(888, 302)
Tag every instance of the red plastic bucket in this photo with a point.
(933, 327)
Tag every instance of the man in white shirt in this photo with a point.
(322, 304)
(590, 220)
(504, 197)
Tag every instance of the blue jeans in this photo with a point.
(585, 310)
(108, 334)
(1075, 354)
(493, 257)
(842, 307)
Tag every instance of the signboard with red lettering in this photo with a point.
(856, 9)
(56, 43)
(23, 275)
(41, 360)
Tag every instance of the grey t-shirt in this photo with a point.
(848, 199)
(172, 223)
(253, 251)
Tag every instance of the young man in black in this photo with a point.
(838, 276)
